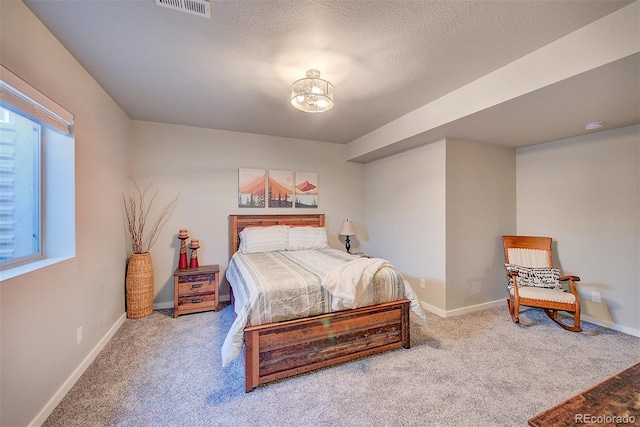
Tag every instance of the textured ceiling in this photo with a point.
(234, 71)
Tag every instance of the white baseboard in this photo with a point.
(464, 310)
(615, 327)
(66, 386)
(433, 309)
(493, 304)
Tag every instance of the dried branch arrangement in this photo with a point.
(136, 210)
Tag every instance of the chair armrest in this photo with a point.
(512, 274)
(572, 283)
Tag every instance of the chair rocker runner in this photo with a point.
(533, 282)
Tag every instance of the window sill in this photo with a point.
(28, 268)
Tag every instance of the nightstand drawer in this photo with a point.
(198, 302)
(197, 277)
(202, 287)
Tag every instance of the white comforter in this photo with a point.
(276, 286)
(351, 284)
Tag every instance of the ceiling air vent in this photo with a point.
(194, 7)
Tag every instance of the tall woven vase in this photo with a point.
(139, 286)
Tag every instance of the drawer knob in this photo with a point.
(196, 285)
(196, 301)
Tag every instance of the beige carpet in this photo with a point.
(478, 369)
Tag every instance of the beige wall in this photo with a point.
(202, 166)
(444, 206)
(481, 203)
(585, 193)
(41, 311)
(405, 216)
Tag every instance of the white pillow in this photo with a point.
(264, 239)
(307, 238)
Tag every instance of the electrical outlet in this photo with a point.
(79, 336)
(595, 296)
(422, 284)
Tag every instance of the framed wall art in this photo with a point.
(280, 189)
(251, 188)
(306, 190)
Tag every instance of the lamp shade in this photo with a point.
(347, 229)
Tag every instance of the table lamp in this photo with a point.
(347, 230)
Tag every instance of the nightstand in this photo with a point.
(195, 289)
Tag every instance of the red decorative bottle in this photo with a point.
(182, 261)
(195, 244)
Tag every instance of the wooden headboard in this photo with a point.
(237, 223)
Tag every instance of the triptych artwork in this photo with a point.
(259, 188)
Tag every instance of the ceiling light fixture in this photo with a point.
(312, 94)
(593, 125)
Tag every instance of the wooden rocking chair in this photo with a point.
(528, 259)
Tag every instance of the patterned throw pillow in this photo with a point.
(546, 277)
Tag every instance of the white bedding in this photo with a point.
(276, 286)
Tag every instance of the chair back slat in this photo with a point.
(536, 258)
(528, 251)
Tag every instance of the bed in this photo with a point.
(278, 341)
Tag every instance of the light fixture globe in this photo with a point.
(312, 94)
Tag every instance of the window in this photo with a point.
(37, 178)
(20, 195)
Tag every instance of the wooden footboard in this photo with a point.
(280, 350)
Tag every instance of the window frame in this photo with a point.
(56, 170)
